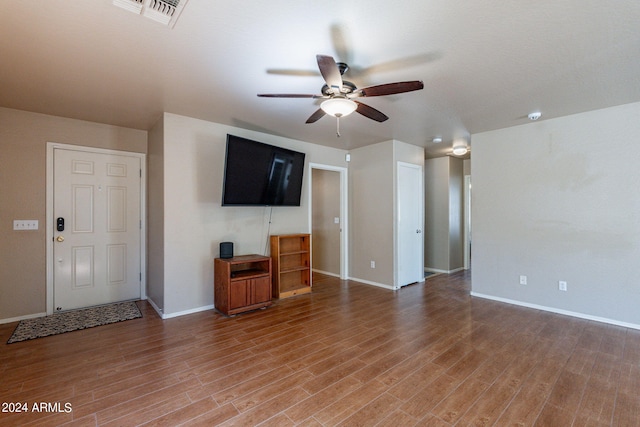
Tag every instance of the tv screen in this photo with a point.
(258, 174)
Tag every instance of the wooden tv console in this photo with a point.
(242, 283)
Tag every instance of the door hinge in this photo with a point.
(140, 173)
(141, 276)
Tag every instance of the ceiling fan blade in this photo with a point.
(401, 63)
(316, 116)
(370, 112)
(292, 72)
(288, 95)
(330, 72)
(391, 88)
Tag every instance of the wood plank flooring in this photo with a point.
(347, 354)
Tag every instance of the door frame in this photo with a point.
(396, 243)
(51, 147)
(344, 214)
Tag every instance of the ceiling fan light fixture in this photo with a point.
(339, 107)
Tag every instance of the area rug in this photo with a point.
(75, 320)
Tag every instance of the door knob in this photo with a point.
(60, 238)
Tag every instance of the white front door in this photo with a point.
(96, 228)
(409, 237)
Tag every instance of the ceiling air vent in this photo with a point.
(165, 12)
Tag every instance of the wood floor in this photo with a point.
(347, 354)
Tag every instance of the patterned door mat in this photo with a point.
(75, 320)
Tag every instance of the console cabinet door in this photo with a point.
(261, 289)
(238, 294)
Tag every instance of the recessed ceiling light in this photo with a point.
(535, 116)
(437, 140)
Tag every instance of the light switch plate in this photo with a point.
(25, 224)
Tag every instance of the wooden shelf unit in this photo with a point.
(291, 255)
(242, 283)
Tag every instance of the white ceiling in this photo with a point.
(485, 64)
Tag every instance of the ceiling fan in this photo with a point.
(339, 94)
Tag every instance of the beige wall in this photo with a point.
(155, 214)
(23, 139)
(558, 200)
(371, 213)
(326, 233)
(456, 214)
(436, 249)
(372, 185)
(195, 222)
(444, 196)
(466, 165)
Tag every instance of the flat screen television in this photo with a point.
(258, 174)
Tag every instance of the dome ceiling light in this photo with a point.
(338, 106)
(460, 147)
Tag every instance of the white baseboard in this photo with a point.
(368, 282)
(149, 300)
(185, 312)
(19, 318)
(326, 273)
(558, 311)
(435, 270)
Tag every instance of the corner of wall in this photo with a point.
(155, 213)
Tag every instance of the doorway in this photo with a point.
(95, 227)
(328, 219)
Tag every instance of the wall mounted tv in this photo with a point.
(258, 174)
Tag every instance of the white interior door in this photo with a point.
(96, 228)
(410, 223)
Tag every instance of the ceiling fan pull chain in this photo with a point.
(338, 127)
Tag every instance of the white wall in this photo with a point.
(558, 200)
(195, 222)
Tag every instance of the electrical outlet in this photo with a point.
(373, 264)
(523, 280)
(562, 285)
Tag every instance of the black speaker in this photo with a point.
(226, 250)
